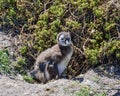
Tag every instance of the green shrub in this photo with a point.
(23, 50)
(84, 92)
(4, 61)
(20, 65)
(111, 48)
(100, 94)
(28, 79)
(92, 55)
(89, 92)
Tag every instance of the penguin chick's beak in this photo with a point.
(67, 42)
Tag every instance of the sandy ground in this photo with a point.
(61, 87)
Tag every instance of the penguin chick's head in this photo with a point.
(64, 39)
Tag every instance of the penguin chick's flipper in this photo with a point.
(52, 71)
(42, 67)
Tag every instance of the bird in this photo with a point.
(51, 63)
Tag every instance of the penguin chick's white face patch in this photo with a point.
(61, 38)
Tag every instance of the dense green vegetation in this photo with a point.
(94, 26)
(4, 62)
(88, 92)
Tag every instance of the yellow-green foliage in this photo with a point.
(85, 91)
(112, 47)
(23, 50)
(72, 24)
(91, 55)
(28, 79)
(4, 61)
(20, 65)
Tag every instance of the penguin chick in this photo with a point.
(54, 59)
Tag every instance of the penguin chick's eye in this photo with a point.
(62, 39)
